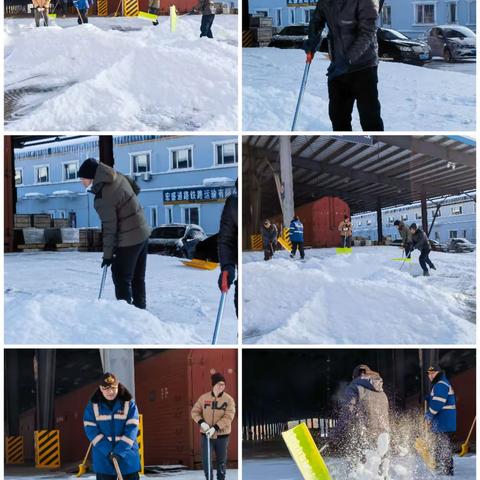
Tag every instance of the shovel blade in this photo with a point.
(424, 451)
(343, 251)
(305, 453)
(464, 450)
(147, 16)
(408, 260)
(201, 264)
(82, 470)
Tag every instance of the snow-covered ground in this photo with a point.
(361, 298)
(119, 74)
(412, 98)
(51, 298)
(406, 468)
(183, 475)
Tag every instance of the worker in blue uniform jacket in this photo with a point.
(441, 416)
(296, 237)
(111, 425)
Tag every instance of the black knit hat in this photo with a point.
(216, 378)
(413, 226)
(88, 169)
(396, 222)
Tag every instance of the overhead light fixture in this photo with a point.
(451, 165)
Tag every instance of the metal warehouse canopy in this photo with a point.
(366, 172)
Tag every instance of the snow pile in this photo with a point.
(121, 74)
(362, 298)
(402, 468)
(51, 298)
(183, 475)
(218, 181)
(412, 98)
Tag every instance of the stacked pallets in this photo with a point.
(262, 29)
(90, 240)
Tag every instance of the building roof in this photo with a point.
(362, 170)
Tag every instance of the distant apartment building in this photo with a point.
(182, 179)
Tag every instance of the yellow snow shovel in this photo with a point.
(423, 450)
(284, 244)
(82, 468)
(148, 16)
(343, 250)
(202, 264)
(467, 441)
(305, 453)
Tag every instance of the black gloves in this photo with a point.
(311, 45)
(226, 278)
(106, 262)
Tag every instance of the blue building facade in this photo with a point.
(411, 17)
(182, 179)
(456, 218)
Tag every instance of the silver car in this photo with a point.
(176, 239)
(452, 42)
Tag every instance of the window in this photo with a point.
(70, 171)
(457, 210)
(387, 15)
(140, 162)
(439, 213)
(391, 219)
(418, 216)
(19, 176)
(191, 215)
(278, 17)
(153, 217)
(227, 153)
(307, 15)
(292, 16)
(472, 12)
(437, 236)
(42, 174)
(452, 12)
(404, 217)
(168, 214)
(453, 234)
(359, 224)
(464, 234)
(369, 222)
(181, 158)
(425, 14)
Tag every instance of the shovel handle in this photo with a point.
(471, 430)
(117, 469)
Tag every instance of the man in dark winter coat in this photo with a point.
(124, 228)
(441, 416)
(111, 424)
(406, 237)
(207, 9)
(269, 236)
(228, 246)
(352, 74)
(364, 415)
(420, 242)
(296, 237)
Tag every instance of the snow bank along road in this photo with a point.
(361, 298)
(412, 98)
(120, 74)
(52, 298)
(406, 468)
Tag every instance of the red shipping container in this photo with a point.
(321, 219)
(166, 387)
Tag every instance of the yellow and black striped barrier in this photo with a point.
(286, 237)
(130, 8)
(140, 445)
(248, 39)
(47, 448)
(15, 455)
(102, 8)
(256, 242)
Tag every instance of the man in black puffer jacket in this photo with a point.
(352, 74)
(420, 242)
(228, 246)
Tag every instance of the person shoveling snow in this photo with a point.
(269, 237)
(40, 11)
(420, 242)
(352, 74)
(124, 226)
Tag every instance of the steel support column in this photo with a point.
(12, 392)
(286, 171)
(379, 221)
(120, 362)
(105, 147)
(424, 212)
(9, 193)
(44, 372)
